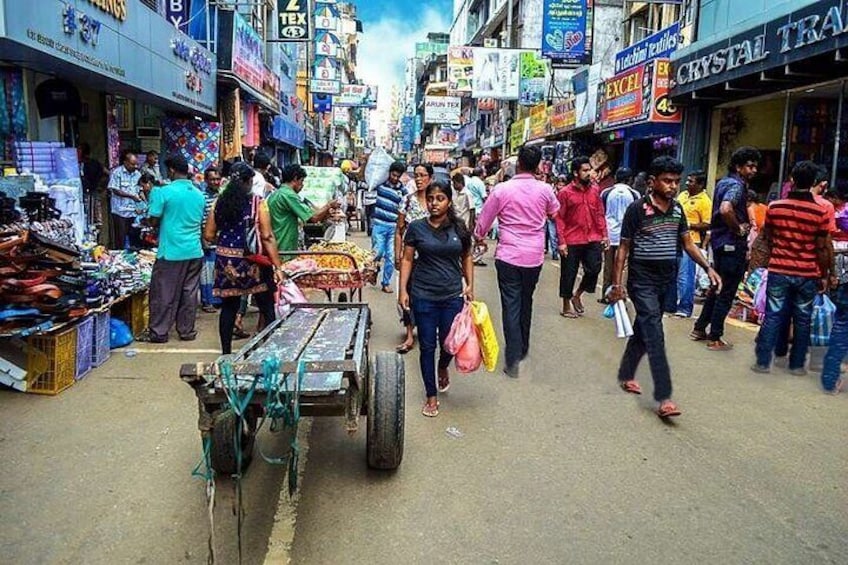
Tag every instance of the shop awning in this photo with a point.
(265, 103)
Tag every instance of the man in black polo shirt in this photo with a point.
(652, 233)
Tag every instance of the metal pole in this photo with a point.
(784, 142)
(838, 139)
(507, 44)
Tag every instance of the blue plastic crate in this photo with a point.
(100, 350)
(85, 336)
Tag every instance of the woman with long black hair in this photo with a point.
(436, 279)
(235, 275)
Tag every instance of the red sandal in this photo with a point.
(630, 386)
(668, 409)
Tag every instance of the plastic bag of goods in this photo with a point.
(377, 168)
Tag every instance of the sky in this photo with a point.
(391, 30)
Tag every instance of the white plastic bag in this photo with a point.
(377, 168)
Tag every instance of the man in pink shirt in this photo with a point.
(582, 231)
(522, 206)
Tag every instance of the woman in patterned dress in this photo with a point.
(235, 275)
(413, 207)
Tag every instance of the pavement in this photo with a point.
(558, 466)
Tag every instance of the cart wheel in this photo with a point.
(386, 385)
(223, 449)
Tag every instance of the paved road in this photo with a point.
(559, 466)
(562, 467)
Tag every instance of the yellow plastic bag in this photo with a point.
(488, 340)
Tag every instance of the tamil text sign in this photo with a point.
(567, 32)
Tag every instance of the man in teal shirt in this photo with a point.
(177, 210)
(288, 209)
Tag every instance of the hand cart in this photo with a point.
(349, 276)
(313, 362)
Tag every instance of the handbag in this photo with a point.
(254, 251)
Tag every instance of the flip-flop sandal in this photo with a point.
(570, 315)
(630, 386)
(430, 411)
(578, 307)
(403, 348)
(444, 384)
(719, 345)
(668, 409)
(697, 335)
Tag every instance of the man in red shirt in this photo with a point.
(799, 266)
(582, 232)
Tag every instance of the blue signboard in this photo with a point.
(659, 45)
(567, 32)
(322, 103)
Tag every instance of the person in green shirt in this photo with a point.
(288, 209)
(177, 210)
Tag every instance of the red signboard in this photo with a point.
(636, 96)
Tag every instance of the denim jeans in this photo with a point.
(383, 244)
(516, 285)
(684, 298)
(669, 303)
(434, 319)
(787, 296)
(553, 239)
(207, 279)
(838, 347)
(648, 337)
(731, 267)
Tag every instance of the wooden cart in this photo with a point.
(313, 362)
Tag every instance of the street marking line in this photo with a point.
(171, 350)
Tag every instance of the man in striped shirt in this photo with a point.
(799, 266)
(653, 232)
(384, 220)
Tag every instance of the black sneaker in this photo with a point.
(147, 337)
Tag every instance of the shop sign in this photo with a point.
(533, 81)
(294, 20)
(325, 68)
(538, 121)
(659, 45)
(435, 155)
(442, 109)
(322, 103)
(517, 134)
(813, 30)
(635, 96)
(115, 8)
(446, 136)
(248, 62)
(563, 116)
(567, 32)
(193, 54)
(358, 95)
(77, 21)
(325, 86)
(341, 117)
(623, 99)
(460, 70)
(271, 83)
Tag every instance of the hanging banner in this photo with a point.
(460, 70)
(322, 103)
(567, 27)
(248, 60)
(358, 95)
(496, 73)
(294, 20)
(325, 86)
(518, 134)
(447, 137)
(341, 117)
(533, 84)
(538, 121)
(442, 109)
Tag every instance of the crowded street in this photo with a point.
(389, 282)
(560, 463)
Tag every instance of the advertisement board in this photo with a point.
(248, 60)
(663, 109)
(325, 86)
(638, 95)
(563, 116)
(534, 79)
(460, 70)
(357, 95)
(538, 121)
(293, 20)
(442, 109)
(567, 29)
(496, 73)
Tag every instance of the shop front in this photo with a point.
(70, 67)
(780, 86)
(635, 112)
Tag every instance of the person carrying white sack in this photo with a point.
(653, 231)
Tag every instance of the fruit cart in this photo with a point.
(333, 268)
(313, 362)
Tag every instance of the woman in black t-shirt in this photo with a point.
(438, 266)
